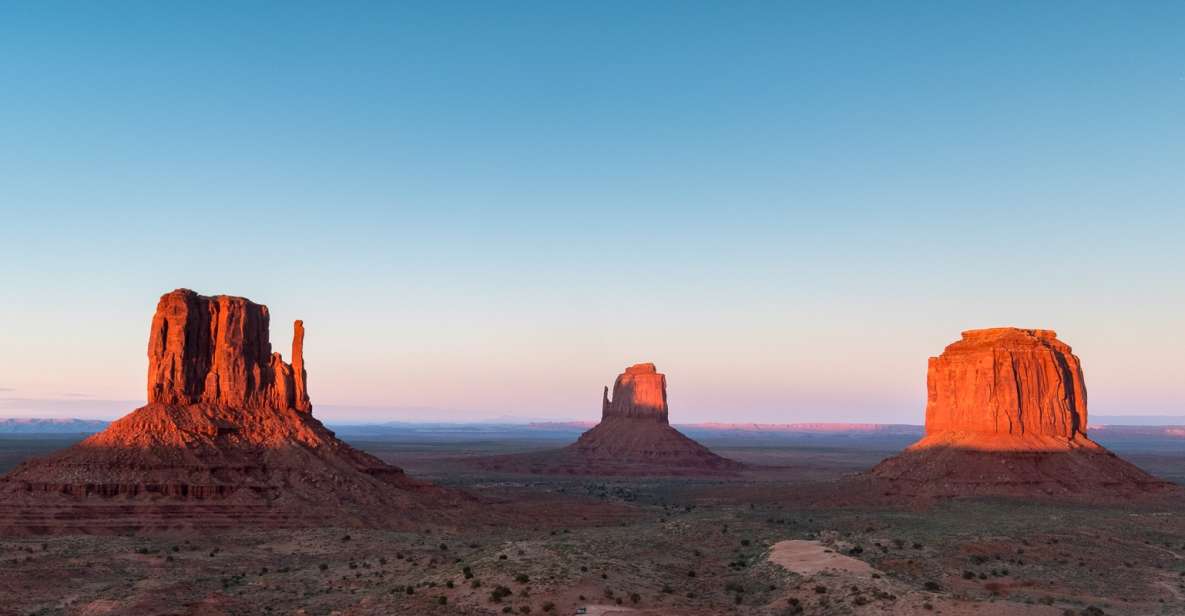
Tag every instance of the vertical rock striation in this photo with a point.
(1007, 382)
(218, 350)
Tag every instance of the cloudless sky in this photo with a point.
(491, 208)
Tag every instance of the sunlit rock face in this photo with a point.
(639, 393)
(1006, 387)
(217, 350)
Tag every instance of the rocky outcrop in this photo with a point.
(634, 437)
(217, 350)
(1006, 415)
(638, 393)
(227, 434)
(1007, 384)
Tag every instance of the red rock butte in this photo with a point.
(227, 439)
(1006, 414)
(634, 437)
(639, 393)
(1006, 388)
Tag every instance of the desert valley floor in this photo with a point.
(756, 543)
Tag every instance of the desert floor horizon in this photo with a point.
(225, 495)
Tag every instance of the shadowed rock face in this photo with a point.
(227, 438)
(1006, 415)
(218, 350)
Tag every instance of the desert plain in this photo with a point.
(636, 545)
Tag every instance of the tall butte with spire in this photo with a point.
(227, 438)
(634, 437)
(1006, 415)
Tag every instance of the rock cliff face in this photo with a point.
(633, 438)
(1007, 382)
(639, 393)
(227, 438)
(218, 350)
(1006, 415)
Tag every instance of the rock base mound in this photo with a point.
(1080, 473)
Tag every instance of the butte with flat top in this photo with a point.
(634, 437)
(1006, 415)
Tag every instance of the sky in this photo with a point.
(485, 210)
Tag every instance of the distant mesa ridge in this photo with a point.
(1006, 414)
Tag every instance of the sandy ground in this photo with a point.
(811, 557)
(821, 565)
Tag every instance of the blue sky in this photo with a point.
(491, 208)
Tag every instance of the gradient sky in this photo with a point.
(491, 208)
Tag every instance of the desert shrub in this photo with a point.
(449, 584)
(820, 589)
(548, 606)
(932, 586)
(499, 593)
(323, 566)
(467, 572)
(522, 578)
(968, 575)
(475, 584)
(635, 597)
(442, 600)
(526, 609)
